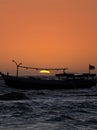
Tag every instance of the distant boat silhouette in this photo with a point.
(60, 81)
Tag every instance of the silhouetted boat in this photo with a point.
(61, 81)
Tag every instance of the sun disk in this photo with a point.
(45, 71)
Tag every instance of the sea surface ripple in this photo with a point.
(49, 109)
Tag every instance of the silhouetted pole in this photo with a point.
(89, 71)
(64, 70)
(17, 65)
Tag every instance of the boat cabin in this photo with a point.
(74, 76)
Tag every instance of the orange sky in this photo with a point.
(48, 33)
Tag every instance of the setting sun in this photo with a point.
(44, 71)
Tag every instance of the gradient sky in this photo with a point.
(48, 33)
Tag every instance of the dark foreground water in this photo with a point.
(49, 110)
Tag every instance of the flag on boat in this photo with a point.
(91, 67)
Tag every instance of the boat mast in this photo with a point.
(17, 65)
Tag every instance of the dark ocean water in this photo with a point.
(49, 110)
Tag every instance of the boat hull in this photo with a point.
(35, 83)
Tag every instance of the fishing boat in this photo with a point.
(60, 81)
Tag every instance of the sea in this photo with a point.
(74, 109)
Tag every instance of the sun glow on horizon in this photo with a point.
(44, 71)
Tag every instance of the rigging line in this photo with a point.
(43, 68)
